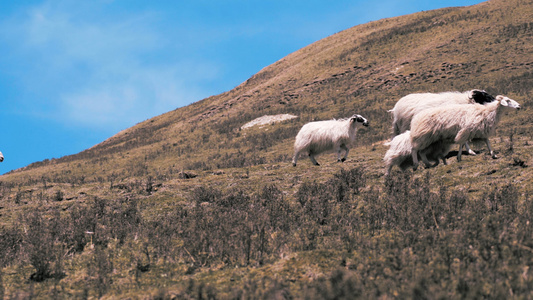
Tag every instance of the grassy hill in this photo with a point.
(188, 203)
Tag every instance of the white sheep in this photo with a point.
(317, 137)
(456, 123)
(399, 153)
(1, 157)
(408, 106)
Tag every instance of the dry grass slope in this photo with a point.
(188, 204)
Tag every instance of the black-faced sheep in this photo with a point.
(399, 153)
(408, 106)
(317, 137)
(457, 123)
(1, 157)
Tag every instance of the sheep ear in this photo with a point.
(503, 101)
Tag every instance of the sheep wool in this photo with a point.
(399, 153)
(408, 106)
(321, 136)
(457, 123)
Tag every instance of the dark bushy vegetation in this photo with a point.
(411, 238)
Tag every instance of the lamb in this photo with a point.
(456, 123)
(317, 137)
(408, 106)
(399, 153)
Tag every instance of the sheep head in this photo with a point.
(507, 102)
(359, 119)
(481, 97)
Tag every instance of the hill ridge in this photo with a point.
(365, 66)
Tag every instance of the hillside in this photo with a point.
(196, 166)
(362, 70)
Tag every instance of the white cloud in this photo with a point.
(143, 94)
(99, 70)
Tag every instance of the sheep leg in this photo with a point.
(338, 151)
(461, 138)
(295, 158)
(470, 151)
(435, 164)
(414, 155)
(346, 154)
(425, 160)
(387, 172)
(490, 149)
(313, 160)
(346, 150)
(395, 129)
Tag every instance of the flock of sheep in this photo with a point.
(425, 126)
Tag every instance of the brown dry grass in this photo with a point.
(365, 69)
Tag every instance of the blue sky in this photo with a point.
(74, 73)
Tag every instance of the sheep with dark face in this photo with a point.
(457, 123)
(318, 137)
(409, 106)
(1, 157)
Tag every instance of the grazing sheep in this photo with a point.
(408, 106)
(1, 157)
(399, 153)
(317, 137)
(457, 123)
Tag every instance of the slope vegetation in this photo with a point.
(190, 203)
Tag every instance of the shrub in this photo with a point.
(58, 196)
(43, 245)
(411, 237)
(345, 184)
(10, 243)
(340, 284)
(100, 268)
